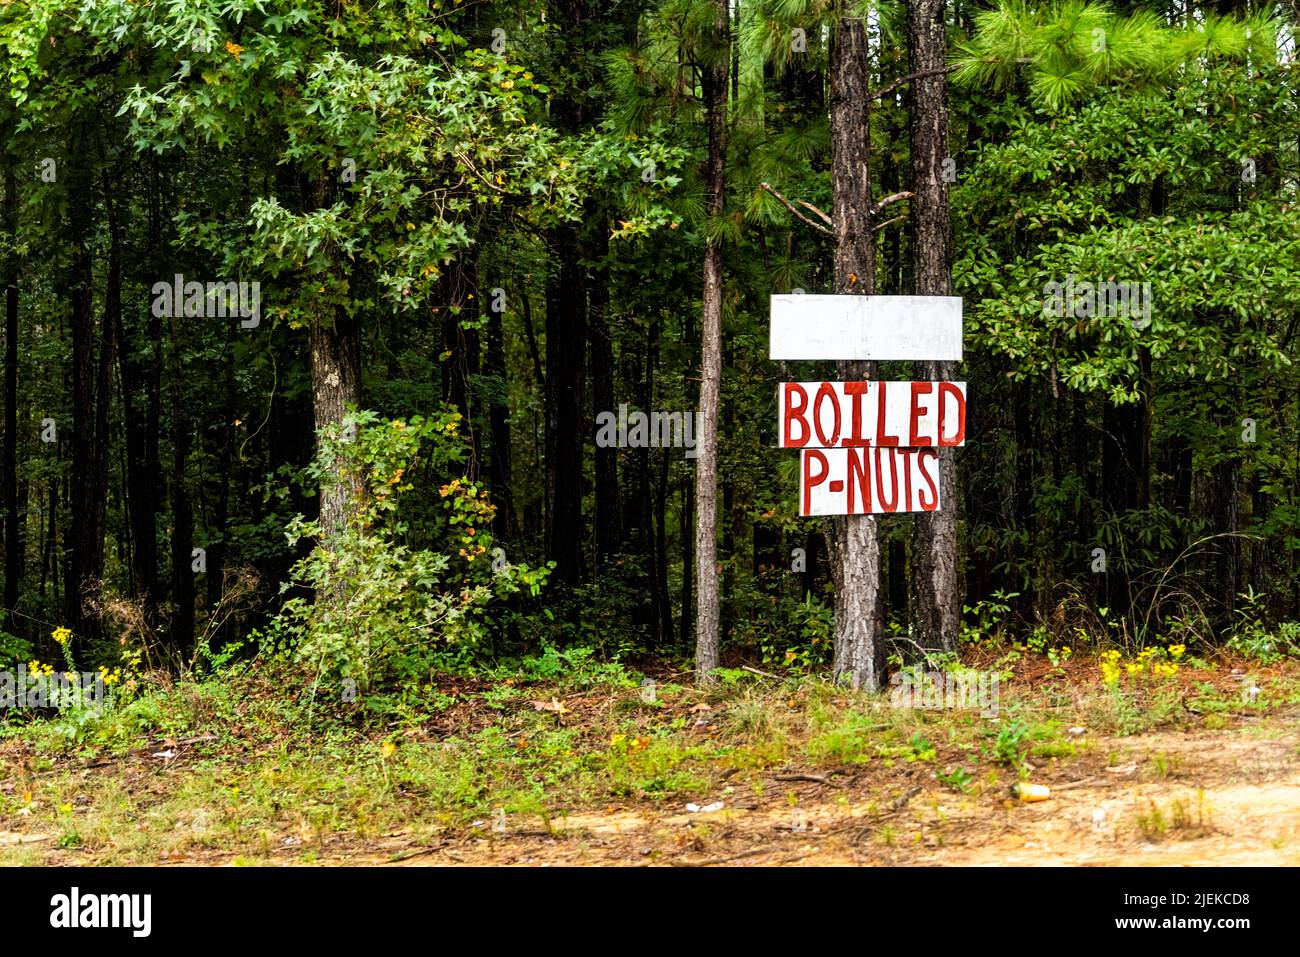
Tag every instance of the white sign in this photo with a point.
(878, 328)
(831, 415)
(868, 481)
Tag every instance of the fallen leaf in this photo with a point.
(554, 705)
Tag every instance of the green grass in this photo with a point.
(267, 773)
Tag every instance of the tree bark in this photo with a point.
(566, 434)
(662, 599)
(460, 346)
(935, 590)
(85, 536)
(224, 455)
(143, 473)
(335, 384)
(855, 545)
(600, 335)
(501, 466)
(182, 538)
(14, 510)
(707, 611)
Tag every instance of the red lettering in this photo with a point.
(915, 412)
(824, 392)
(926, 455)
(856, 439)
(811, 481)
(796, 403)
(946, 389)
(892, 504)
(859, 479)
(882, 437)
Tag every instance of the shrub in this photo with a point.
(374, 607)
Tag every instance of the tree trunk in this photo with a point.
(566, 434)
(707, 612)
(855, 546)
(600, 335)
(85, 539)
(182, 539)
(107, 359)
(501, 469)
(662, 598)
(461, 348)
(335, 384)
(14, 510)
(936, 595)
(688, 561)
(216, 564)
(142, 464)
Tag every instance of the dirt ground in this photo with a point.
(1228, 797)
(1225, 797)
(1195, 797)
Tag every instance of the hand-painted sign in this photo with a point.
(831, 415)
(868, 481)
(868, 448)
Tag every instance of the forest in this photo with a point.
(405, 373)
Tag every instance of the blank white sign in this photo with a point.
(876, 328)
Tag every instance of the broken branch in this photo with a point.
(895, 84)
(890, 200)
(790, 206)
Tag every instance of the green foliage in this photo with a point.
(577, 666)
(1008, 743)
(384, 609)
(1071, 46)
(922, 749)
(398, 173)
(14, 650)
(1255, 638)
(789, 632)
(959, 779)
(986, 619)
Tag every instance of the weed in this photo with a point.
(959, 779)
(1185, 820)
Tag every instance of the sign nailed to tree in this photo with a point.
(832, 415)
(875, 328)
(861, 481)
(868, 447)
